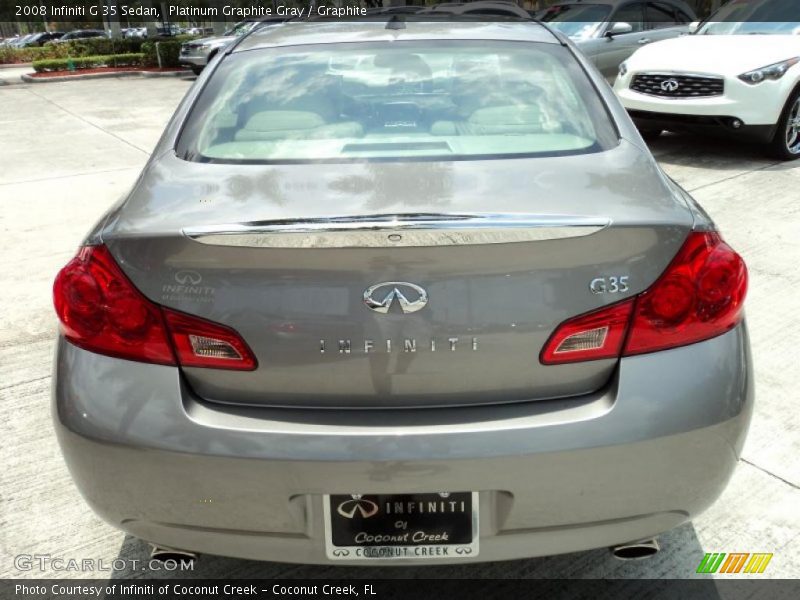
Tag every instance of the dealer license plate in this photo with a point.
(437, 525)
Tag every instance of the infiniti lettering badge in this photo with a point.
(381, 296)
(409, 297)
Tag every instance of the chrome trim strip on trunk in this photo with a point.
(398, 230)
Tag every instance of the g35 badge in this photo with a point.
(609, 285)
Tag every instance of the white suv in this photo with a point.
(739, 73)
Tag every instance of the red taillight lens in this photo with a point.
(699, 296)
(102, 311)
(592, 336)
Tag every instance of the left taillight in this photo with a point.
(102, 311)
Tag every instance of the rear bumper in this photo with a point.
(649, 452)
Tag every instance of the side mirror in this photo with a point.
(619, 28)
(694, 26)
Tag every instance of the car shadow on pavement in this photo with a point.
(720, 154)
(679, 557)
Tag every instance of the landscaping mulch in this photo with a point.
(107, 70)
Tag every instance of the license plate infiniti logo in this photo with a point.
(382, 296)
(357, 504)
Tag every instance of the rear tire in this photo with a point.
(785, 145)
(196, 70)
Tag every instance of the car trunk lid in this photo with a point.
(360, 286)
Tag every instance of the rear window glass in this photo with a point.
(404, 100)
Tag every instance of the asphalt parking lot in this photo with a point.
(70, 150)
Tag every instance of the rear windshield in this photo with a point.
(394, 101)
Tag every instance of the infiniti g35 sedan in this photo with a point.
(398, 293)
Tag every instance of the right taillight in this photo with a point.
(699, 296)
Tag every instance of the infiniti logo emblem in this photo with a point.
(188, 277)
(381, 296)
(349, 508)
(670, 85)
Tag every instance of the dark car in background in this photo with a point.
(79, 34)
(40, 39)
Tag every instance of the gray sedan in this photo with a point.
(399, 293)
(609, 31)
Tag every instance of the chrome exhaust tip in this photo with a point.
(163, 554)
(636, 550)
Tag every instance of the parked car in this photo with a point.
(135, 32)
(196, 54)
(451, 287)
(200, 31)
(170, 30)
(609, 31)
(489, 9)
(20, 41)
(39, 39)
(739, 75)
(79, 34)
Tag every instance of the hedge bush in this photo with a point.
(88, 62)
(98, 46)
(22, 55)
(168, 48)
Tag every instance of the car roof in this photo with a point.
(509, 8)
(296, 33)
(680, 3)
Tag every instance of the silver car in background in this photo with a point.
(609, 31)
(196, 54)
(398, 293)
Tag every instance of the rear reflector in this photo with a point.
(102, 311)
(699, 296)
(201, 343)
(592, 336)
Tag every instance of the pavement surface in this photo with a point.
(70, 150)
(13, 75)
